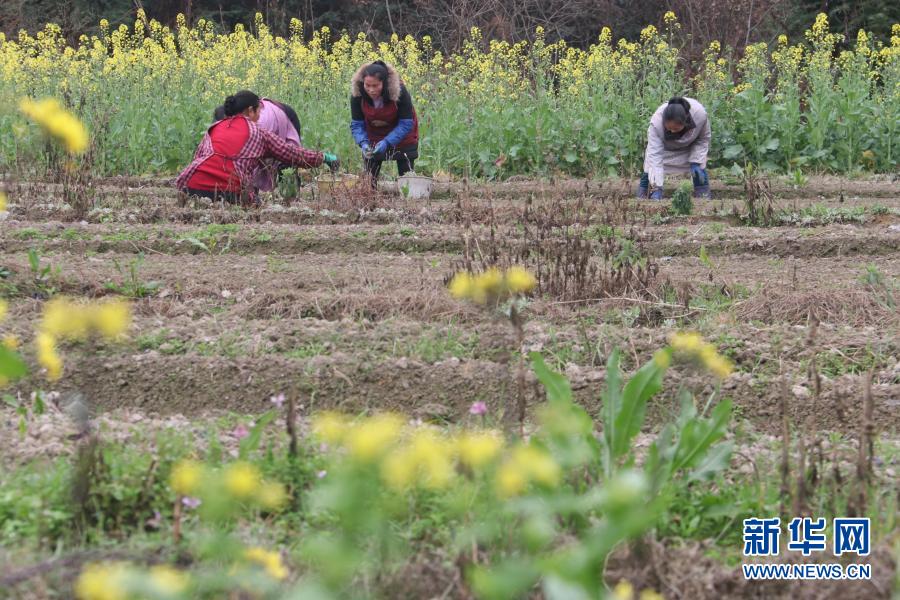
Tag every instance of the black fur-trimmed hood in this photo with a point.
(392, 84)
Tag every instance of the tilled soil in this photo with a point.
(348, 309)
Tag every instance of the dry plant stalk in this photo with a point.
(785, 492)
(292, 425)
(866, 448)
(572, 247)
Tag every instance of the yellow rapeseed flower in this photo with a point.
(662, 358)
(540, 465)
(623, 591)
(4, 308)
(371, 438)
(519, 280)
(669, 17)
(330, 427)
(399, 469)
(488, 284)
(11, 341)
(478, 449)
(692, 344)
(525, 464)
(112, 318)
(104, 581)
(47, 355)
(269, 560)
(511, 480)
(168, 581)
(241, 479)
(649, 594)
(689, 342)
(2, 201)
(462, 285)
(58, 122)
(272, 495)
(65, 319)
(185, 477)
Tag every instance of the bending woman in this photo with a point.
(231, 155)
(383, 121)
(677, 142)
(282, 120)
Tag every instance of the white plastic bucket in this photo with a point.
(414, 187)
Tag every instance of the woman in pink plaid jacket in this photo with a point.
(234, 150)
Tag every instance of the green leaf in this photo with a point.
(557, 386)
(612, 399)
(33, 260)
(510, 579)
(197, 243)
(639, 389)
(11, 364)
(251, 442)
(772, 144)
(704, 257)
(709, 431)
(733, 151)
(557, 588)
(716, 460)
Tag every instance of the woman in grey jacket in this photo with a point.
(677, 142)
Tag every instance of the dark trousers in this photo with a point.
(405, 157)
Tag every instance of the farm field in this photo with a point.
(528, 385)
(344, 307)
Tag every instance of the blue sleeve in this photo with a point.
(404, 126)
(358, 129)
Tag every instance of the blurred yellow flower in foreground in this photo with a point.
(47, 356)
(168, 581)
(269, 560)
(519, 280)
(2, 201)
(4, 308)
(241, 479)
(525, 464)
(330, 427)
(371, 438)
(691, 343)
(105, 581)
(11, 341)
(492, 285)
(58, 122)
(478, 449)
(272, 495)
(185, 477)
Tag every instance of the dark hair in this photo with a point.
(219, 113)
(241, 101)
(678, 110)
(375, 69)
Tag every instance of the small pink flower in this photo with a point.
(478, 408)
(155, 521)
(191, 502)
(240, 432)
(321, 474)
(278, 400)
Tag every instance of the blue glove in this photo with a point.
(366, 150)
(380, 148)
(699, 175)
